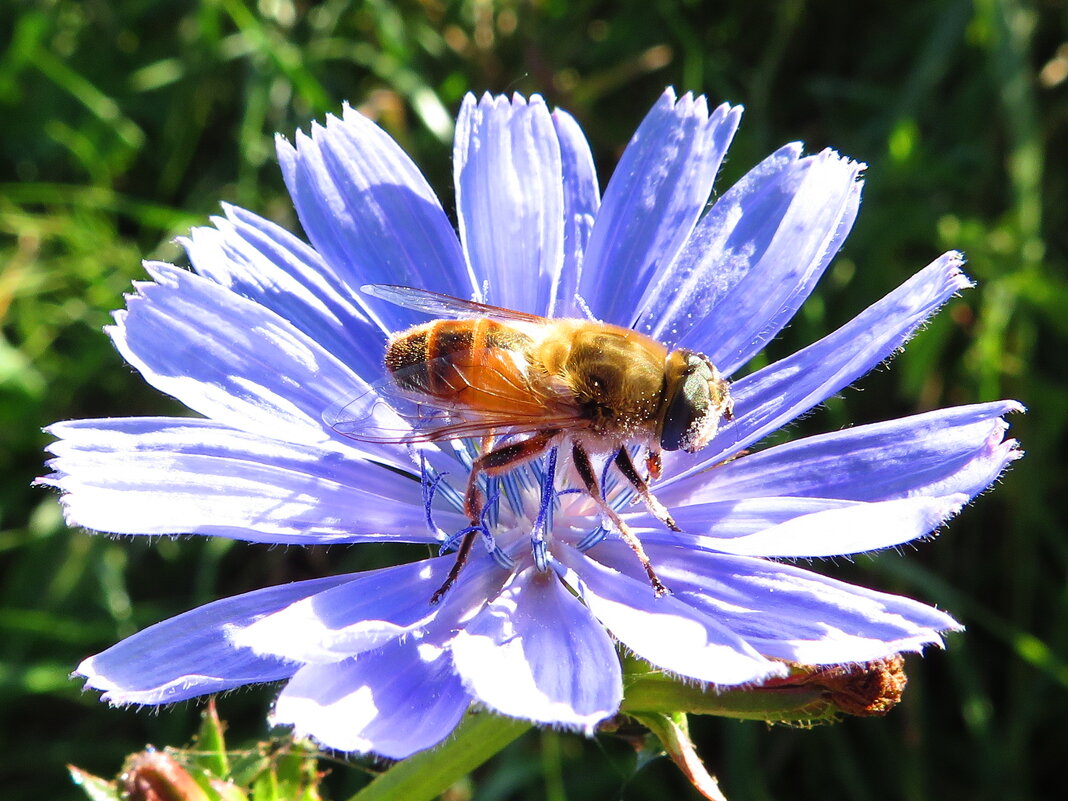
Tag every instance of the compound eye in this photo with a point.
(689, 408)
(699, 399)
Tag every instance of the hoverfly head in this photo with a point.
(695, 399)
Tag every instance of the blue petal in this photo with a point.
(957, 450)
(582, 198)
(769, 398)
(393, 702)
(509, 195)
(653, 201)
(371, 610)
(846, 528)
(370, 213)
(755, 257)
(705, 524)
(265, 263)
(191, 654)
(232, 359)
(664, 631)
(789, 613)
(186, 476)
(536, 653)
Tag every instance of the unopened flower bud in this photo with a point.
(157, 776)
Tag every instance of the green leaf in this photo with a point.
(96, 789)
(265, 787)
(210, 753)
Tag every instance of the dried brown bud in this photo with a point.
(869, 689)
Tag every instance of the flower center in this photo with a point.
(524, 510)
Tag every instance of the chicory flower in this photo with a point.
(268, 332)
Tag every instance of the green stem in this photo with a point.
(428, 774)
(673, 731)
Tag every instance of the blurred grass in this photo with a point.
(127, 122)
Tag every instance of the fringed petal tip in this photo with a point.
(92, 681)
(497, 103)
(834, 157)
(1014, 407)
(690, 104)
(116, 696)
(953, 261)
(946, 273)
(302, 138)
(190, 655)
(657, 194)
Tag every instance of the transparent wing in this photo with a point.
(501, 403)
(375, 415)
(436, 304)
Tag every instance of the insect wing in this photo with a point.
(382, 414)
(436, 304)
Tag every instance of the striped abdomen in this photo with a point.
(479, 364)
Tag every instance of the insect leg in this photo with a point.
(501, 460)
(589, 478)
(493, 463)
(630, 472)
(461, 559)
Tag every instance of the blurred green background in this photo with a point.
(126, 122)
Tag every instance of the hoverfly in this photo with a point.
(498, 374)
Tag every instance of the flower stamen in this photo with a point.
(544, 520)
(593, 538)
(429, 479)
(483, 527)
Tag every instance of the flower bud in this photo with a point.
(156, 776)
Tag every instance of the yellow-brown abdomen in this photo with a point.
(477, 364)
